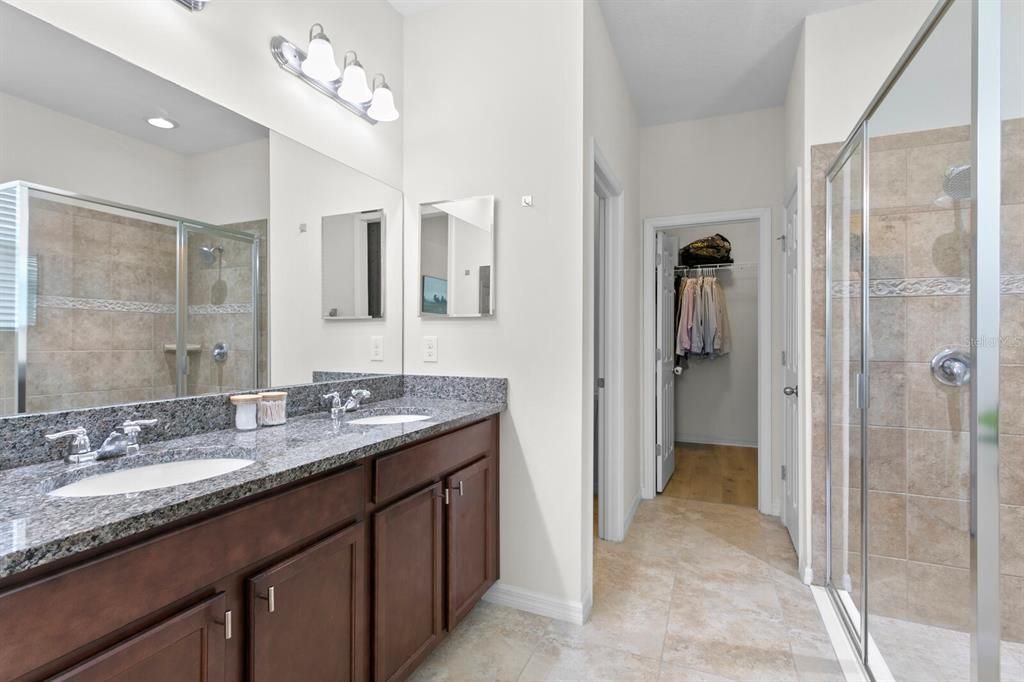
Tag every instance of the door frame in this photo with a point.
(612, 512)
(795, 196)
(768, 476)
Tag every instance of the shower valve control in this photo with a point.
(952, 367)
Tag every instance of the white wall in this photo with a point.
(610, 122)
(50, 148)
(471, 247)
(509, 59)
(223, 54)
(721, 164)
(716, 398)
(338, 238)
(305, 187)
(229, 185)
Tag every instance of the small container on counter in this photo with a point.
(273, 408)
(246, 407)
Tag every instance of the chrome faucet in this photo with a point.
(353, 402)
(356, 399)
(117, 444)
(125, 442)
(79, 450)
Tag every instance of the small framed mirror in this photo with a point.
(353, 266)
(457, 258)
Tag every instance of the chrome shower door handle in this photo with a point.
(952, 367)
(790, 391)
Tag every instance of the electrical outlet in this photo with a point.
(377, 348)
(429, 349)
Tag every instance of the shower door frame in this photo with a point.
(986, 125)
(182, 225)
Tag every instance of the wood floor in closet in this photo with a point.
(726, 474)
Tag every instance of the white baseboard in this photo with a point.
(540, 604)
(706, 440)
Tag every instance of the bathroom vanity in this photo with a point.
(355, 568)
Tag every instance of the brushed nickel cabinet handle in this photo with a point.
(270, 599)
(227, 625)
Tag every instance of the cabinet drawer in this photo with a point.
(412, 468)
(109, 593)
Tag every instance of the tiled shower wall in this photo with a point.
(106, 310)
(919, 464)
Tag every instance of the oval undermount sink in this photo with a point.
(381, 419)
(151, 477)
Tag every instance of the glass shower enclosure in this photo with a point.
(102, 303)
(924, 339)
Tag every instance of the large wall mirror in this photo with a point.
(457, 258)
(154, 244)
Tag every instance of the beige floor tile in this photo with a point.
(674, 673)
(492, 643)
(554, 661)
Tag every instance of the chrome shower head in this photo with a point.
(957, 182)
(209, 254)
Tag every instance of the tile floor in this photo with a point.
(698, 591)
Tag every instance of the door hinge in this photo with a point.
(600, 382)
(782, 242)
(783, 472)
(783, 354)
(657, 354)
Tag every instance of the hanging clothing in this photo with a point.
(702, 318)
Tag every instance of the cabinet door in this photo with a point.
(186, 647)
(408, 555)
(472, 536)
(308, 617)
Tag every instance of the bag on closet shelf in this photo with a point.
(707, 251)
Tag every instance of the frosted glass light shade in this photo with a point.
(319, 63)
(382, 108)
(353, 86)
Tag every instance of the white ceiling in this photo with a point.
(56, 70)
(410, 7)
(689, 59)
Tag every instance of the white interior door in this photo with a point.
(790, 364)
(668, 248)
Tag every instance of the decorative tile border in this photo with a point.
(923, 286)
(69, 302)
(111, 305)
(220, 309)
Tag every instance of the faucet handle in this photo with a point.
(79, 448)
(333, 396)
(135, 425)
(360, 394)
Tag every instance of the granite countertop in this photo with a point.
(37, 528)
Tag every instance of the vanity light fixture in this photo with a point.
(320, 64)
(353, 86)
(348, 88)
(382, 107)
(161, 122)
(193, 5)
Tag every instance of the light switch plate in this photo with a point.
(429, 349)
(377, 348)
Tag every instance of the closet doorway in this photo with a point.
(709, 405)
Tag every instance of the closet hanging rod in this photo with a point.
(715, 266)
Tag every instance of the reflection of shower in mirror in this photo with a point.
(956, 185)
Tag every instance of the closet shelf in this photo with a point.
(716, 266)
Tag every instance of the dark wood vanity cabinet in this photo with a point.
(409, 581)
(355, 575)
(307, 617)
(186, 647)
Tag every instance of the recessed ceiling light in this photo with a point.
(161, 122)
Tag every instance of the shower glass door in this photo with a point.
(844, 352)
(925, 370)
(218, 323)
